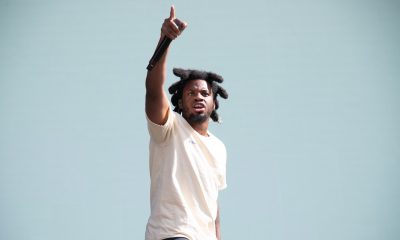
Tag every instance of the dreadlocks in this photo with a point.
(213, 79)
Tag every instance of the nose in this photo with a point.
(199, 97)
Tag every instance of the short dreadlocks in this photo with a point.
(213, 79)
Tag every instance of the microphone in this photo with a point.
(159, 52)
(162, 47)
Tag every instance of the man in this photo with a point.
(187, 162)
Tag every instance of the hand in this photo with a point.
(172, 27)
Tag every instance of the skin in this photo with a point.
(197, 104)
(195, 92)
(157, 103)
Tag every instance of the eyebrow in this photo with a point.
(202, 88)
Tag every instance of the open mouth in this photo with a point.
(199, 107)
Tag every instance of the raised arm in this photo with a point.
(157, 103)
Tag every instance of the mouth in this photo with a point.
(199, 107)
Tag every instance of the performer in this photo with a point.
(187, 162)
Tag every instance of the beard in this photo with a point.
(198, 118)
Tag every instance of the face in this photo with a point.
(197, 101)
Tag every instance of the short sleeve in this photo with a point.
(159, 133)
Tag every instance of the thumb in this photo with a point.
(172, 13)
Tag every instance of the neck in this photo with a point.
(201, 127)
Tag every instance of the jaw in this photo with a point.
(196, 113)
(199, 122)
(198, 118)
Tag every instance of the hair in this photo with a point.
(176, 89)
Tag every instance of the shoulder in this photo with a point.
(160, 133)
(216, 144)
(215, 139)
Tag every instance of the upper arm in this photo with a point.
(157, 106)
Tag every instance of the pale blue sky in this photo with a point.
(311, 125)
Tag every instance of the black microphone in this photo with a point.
(162, 47)
(159, 52)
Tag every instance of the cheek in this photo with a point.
(212, 103)
(185, 104)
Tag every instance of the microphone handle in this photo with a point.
(159, 52)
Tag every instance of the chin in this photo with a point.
(198, 118)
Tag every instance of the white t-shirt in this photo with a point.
(187, 170)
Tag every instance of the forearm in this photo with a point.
(157, 104)
(170, 29)
(156, 99)
(218, 226)
(155, 78)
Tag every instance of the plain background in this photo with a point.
(311, 125)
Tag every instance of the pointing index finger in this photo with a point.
(172, 13)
